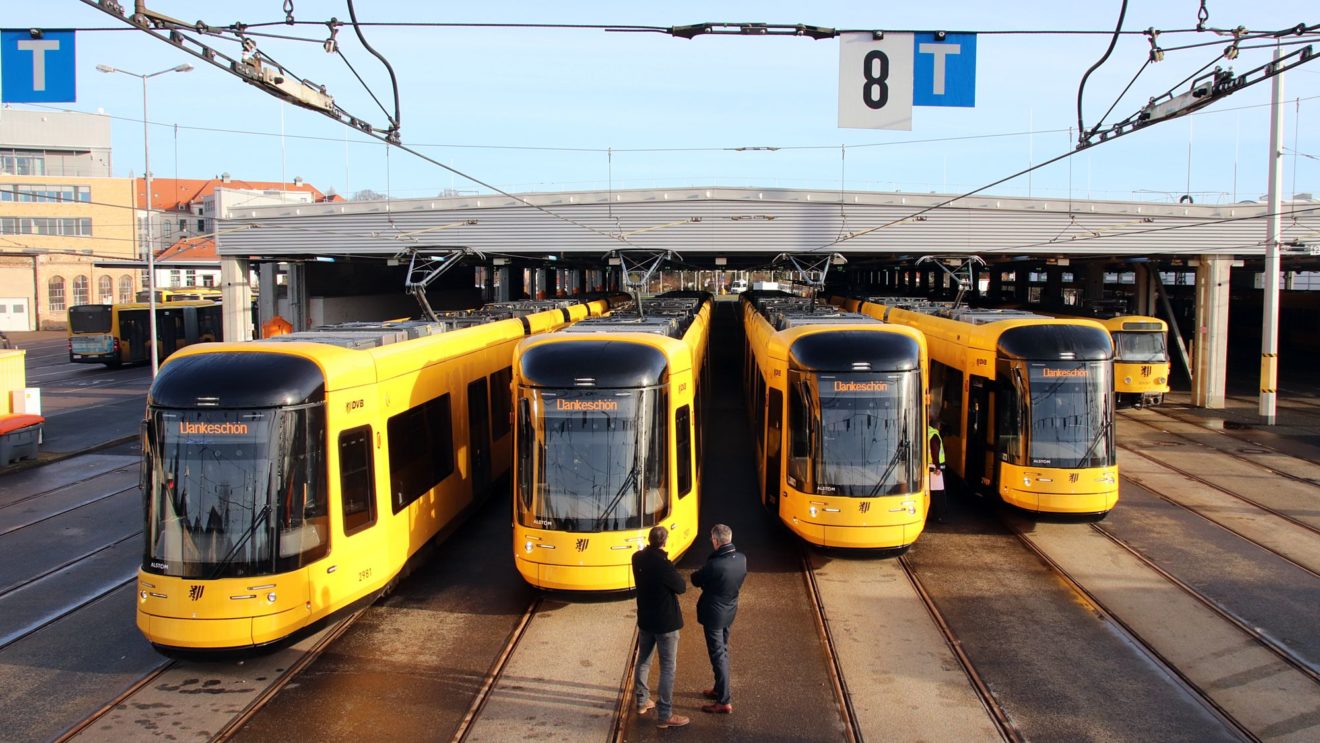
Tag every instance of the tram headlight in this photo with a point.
(527, 546)
(142, 595)
(271, 597)
(1127, 380)
(812, 511)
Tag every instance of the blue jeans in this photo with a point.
(717, 646)
(646, 644)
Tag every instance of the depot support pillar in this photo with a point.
(236, 294)
(266, 291)
(1053, 292)
(1210, 353)
(1145, 291)
(298, 314)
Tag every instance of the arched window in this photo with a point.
(105, 290)
(125, 289)
(81, 289)
(55, 293)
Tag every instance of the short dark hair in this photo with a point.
(658, 536)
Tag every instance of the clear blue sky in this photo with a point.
(470, 94)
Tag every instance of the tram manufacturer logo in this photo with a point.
(582, 544)
(860, 386)
(228, 428)
(195, 591)
(1080, 372)
(863, 507)
(586, 405)
(1072, 477)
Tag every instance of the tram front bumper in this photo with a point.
(577, 577)
(854, 523)
(220, 634)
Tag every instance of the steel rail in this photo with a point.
(1282, 652)
(496, 671)
(1134, 639)
(123, 696)
(848, 714)
(992, 707)
(334, 633)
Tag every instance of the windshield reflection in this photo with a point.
(1141, 348)
(592, 460)
(855, 434)
(235, 493)
(1071, 414)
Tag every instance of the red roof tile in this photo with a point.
(190, 250)
(174, 194)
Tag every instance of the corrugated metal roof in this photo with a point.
(730, 221)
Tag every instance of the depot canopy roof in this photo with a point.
(730, 221)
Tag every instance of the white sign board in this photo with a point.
(875, 81)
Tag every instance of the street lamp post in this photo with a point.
(146, 156)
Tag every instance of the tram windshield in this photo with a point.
(592, 459)
(235, 493)
(1071, 414)
(1140, 347)
(855, 434)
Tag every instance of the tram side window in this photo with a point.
(799, 439)
(421, 450)
(759, 402)
(683, 436)
(950, 413)
(501, 402)
(1008, 421)
(356, 481)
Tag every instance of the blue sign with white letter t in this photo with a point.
(944, 70)
(37, 66)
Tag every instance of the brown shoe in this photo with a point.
(674, 721)
(709, 693)
(715, 708)
(647, 707)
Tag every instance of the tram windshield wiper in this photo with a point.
(261, 518)
(1100, 435)
(904, 446)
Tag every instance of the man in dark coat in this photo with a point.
(659, 619)
(719, 580)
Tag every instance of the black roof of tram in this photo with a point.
(237, 380)
(1054, 342)
(850, 350)
(607, 363)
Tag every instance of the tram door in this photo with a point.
(479, 436)
(774, 436)
(978, 424)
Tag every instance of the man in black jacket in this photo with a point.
(719, 580)
(659, 619)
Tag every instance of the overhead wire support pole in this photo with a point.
(1269, 337)
(638, 266)
(811, 268)
(425, 265)
(962, 275)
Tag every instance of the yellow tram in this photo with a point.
(1141, 358)
(608, 442)
(1025, 403)
(837, 402)
(289, 478)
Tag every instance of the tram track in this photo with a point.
(142, 702)
(992, 707)
(70, 509)
(1217, 451)
(851, 725)
(1132, 637)
(1264, 640)
(496, 670)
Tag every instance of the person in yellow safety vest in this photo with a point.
(938, 504)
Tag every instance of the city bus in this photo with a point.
(117, 334)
